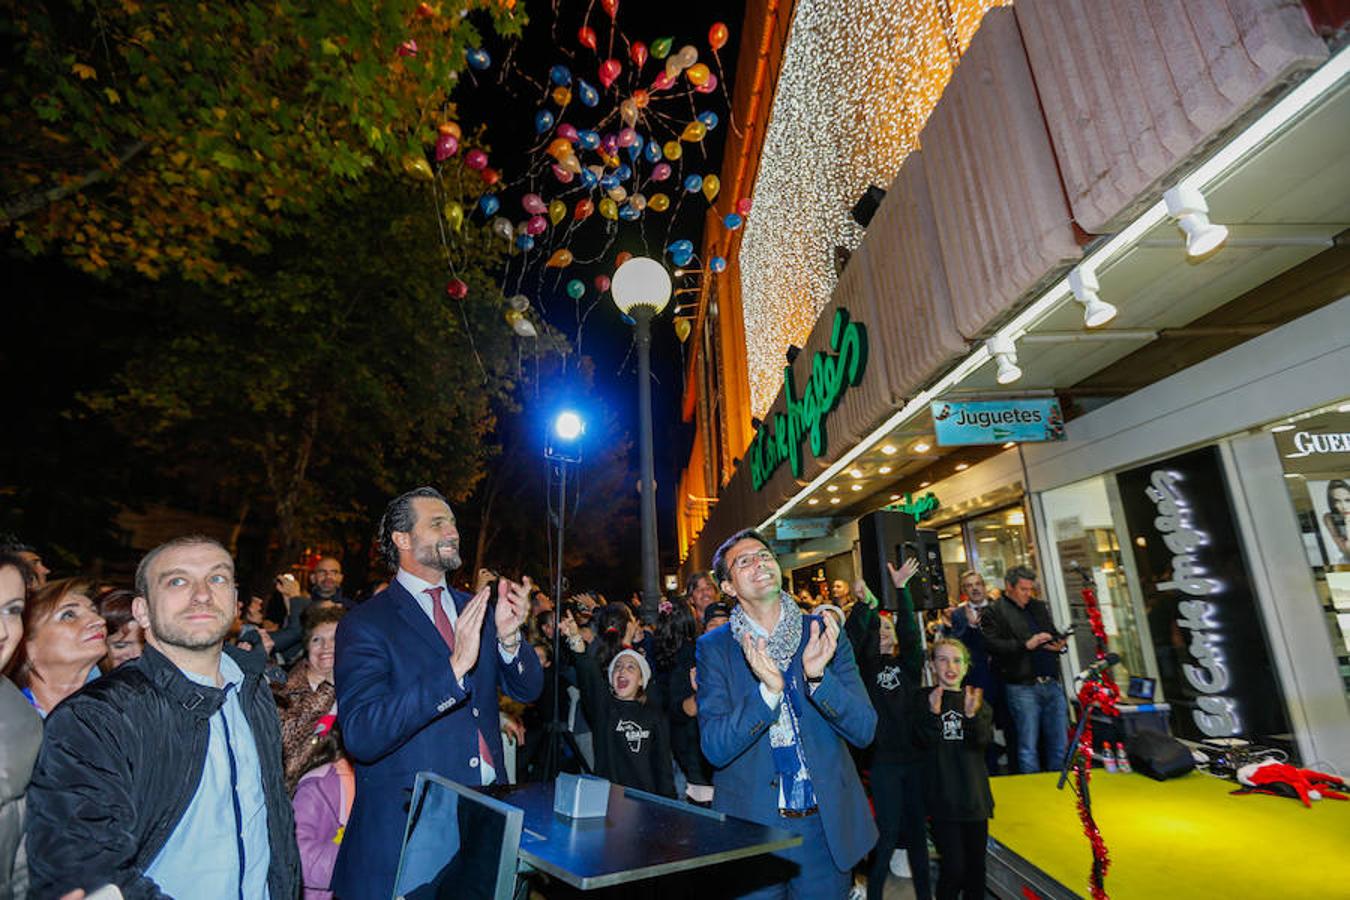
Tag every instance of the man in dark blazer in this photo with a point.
(417, 671)
(778, 696)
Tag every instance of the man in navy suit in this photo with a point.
(417, 671)
(778, 695)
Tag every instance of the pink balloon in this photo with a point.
(743, 206)
(660, 171)
(602, 283)
(708, 86)
(476, 159)
(662, 82)
(567, 131)
(627, 137)
(533, 204)
(536, 226)
(609, 70)
(447, 145)
(562, 174)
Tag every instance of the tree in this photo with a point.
(159, 135)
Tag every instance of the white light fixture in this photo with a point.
(831, 488)
(834, 499)
(640, 281)
(884, 470)
(857, 487)
(924, 484)
(1187, 205)
(922, 447)
(856, 473)
(1004, 352)
(895, 496)
(812, 502)
(961, 467)
(889, 449)
(1084, 285)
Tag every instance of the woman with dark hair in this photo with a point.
(20, 730)
(125, 636)
(672, 687)
(63, 639)
(307, 702)
(615, 627)
(1338, 511)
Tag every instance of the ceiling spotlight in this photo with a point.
(884, 470)
(1096, 311)
(889, 449)
(834, 499)
(831, 488)
(924, 484)
(812, 502)
(1187, 205)
(922, 447)
(961, 467)
(857, 487)
(1004, 352)
(856, 473)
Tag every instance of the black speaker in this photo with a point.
(891, 536)
(1157, 755)
(867, 204)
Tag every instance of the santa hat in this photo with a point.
(641, 664)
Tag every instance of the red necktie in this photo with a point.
(447, 631)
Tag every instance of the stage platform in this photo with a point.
(1182, 838)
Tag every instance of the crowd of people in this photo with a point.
(166, 735)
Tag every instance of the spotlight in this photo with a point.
(568, 426)
(1096, 311)
(792, 352)
(867, 204)
(1004, 352)
(563, 443)
(841, 257)
(1187, 205)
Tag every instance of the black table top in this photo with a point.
(641, 836)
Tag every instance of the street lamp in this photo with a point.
(641, 289)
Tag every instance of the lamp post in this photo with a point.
(641, 289)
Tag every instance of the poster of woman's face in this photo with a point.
(1331, 504)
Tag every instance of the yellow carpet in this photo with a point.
(1182, 838)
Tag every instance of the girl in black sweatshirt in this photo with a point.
(954, 727)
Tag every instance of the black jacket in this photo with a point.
(120, 763)
(956, 783)
(632, 740)
(1004, 626)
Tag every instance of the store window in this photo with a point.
(1315, 453)
(998, 541)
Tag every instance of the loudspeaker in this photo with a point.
(893, 536)
(866, 207)
(1157, 755)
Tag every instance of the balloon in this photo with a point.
(601, 283)
(638, 53)
(589, 95)
(641, 98)
(711, 185)
(478, 58)
(536, 225)
(525, 242)
(661, 47)
(623, 173)
(610, 144)
(559, 147)
(658, 203)
(571, 163)
(456, 289)
(717, 264)
(743, 206)
(694, 131)
(663, 81)
(562, 96)
(450, 128)
(519, 303)
(628, 137)
(717, 36)
(575, 289)
(672, 150)
(568, 131)
(682, 328)
(502, 228)
(732, 221)
(447, 145)
(417, 167)
(611, 7)
(454, 215)
(682, 259)
(623, 257)
(638, 202)
(557, 211)
(533, 204)
(628, 213)
(589, 179)
(693, 183)
(563, 176)
(583, 210)
(407, 48)
(652, 152)
(672, 70)
(490, 176)
(687, 56)
(609, 182)
(560, 259)
(628, 111)
(586, 36)
(522, 227)
(588, 139)
(560, 75)
(709, 119)
(609, 209)
(680, 246)
(543, 121)
(660, 171)
(698, 74)
(476, 159)
(609, 70)
(488, 204)
(706, 87)
(618, 193)
(523, 327)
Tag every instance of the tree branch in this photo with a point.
(31, 203)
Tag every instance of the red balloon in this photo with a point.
(609, 70)
(717, 35)
(638, 54)
(662, 82)
(476, 159)
(743, 206)
(490, 176)
(585, 207)
(611, 7)
(447, 145)
(586, 35)
(456, 288)
(602, 283)
(623, 257)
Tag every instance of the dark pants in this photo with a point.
(897, 794)
(962, 847)
(804, 872)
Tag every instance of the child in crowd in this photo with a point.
(954, 728)
(322, 803)
(632, 741)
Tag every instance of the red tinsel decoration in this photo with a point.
(1102, 694)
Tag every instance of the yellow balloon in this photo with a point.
(418, 167)
(570, 163)
(638, 202)
(609, 209)
(557, 210)
(711, 185)
(658, 203)
(628, 111)
(560, 259)
(682, 329)
(560, 148)
(671, 149)
(618, 193)
(694, 131)
(563, 96)
(698, 75)
(454, 215)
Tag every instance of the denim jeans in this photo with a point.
(1041, 715)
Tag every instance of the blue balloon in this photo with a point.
(628, 213)
(489, 204)
(623, 173)
(634, 151)
(733, 221)
(693, 183)
(609, 182)
(589, 96)
(560, 75)
(717, 264)
(525, 242)
(588, 178)
(478, 59)
(652, 152)
(543, 121)
(681, 259)
(588, 139)
(709, 119)
(680, 247)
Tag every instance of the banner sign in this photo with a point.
(780, 438)
(997, 421)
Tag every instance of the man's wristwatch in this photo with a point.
(816, 680)
(511, 646)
